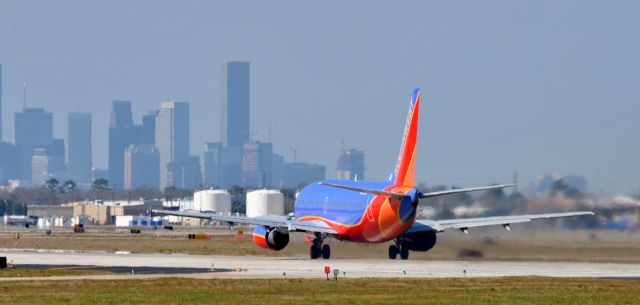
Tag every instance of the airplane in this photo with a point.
(368, 211)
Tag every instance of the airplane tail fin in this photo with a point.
(403, 174)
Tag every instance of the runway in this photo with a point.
(299, 267)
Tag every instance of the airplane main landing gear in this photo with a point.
(317, 249)
(393, 252)
(398, 248)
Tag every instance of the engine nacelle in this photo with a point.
(419, 241)
(270, 238)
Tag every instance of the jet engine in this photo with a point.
(419, 241)
(270, 238)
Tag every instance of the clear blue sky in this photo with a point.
(537, 86)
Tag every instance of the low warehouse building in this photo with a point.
(137, 221)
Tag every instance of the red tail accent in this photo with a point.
(405, 170)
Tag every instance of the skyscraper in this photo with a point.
(79, 151)
(0, 102)
(172, 137)
(148, 132)
(57, 155)
(9, 162)
(185, 174)
(141, 167)
(231, 166)
(212, 164)
(33, 129)
(235, 103)
(9, 157)
(351, 164)
(256, 164)
(48, 162)
(40, 166)
(122, 133)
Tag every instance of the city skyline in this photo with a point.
(533, 87)
(154, 154)
(146, 133)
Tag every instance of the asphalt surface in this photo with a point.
(202, 266)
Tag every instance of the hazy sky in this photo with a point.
(533, 86)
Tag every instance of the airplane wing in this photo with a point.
(269, 221)
(464, 224)
(464, 190)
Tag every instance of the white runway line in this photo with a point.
(270, 267)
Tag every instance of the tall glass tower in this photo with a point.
(172, 137)
(33, 129)
(122, 133)
(235, 103)
(79, 163)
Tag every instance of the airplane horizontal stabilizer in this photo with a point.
(464, 190)
(466, 223)
(364, 190)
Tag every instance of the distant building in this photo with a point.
(299, 173)
(185, 174)
(148, 132)
(99, 173)
(48, 162)
(277, 171)
(0, 102)
(212, 164)
(235, 103)
(57, 153)
(9, 168)
(231, 166)
(33, 129)
(350, 165)
(141, 167)
(122, 133)
(256, 164)
(106, 212)
(172, 138)
(79, 151)
(40, 167)
(43, 211)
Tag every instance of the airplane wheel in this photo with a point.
(326, 252)
(404, 253)
(315, 252)
(393, 252)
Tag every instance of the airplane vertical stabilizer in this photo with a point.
(403, 174)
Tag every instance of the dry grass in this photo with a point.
(530, 290)
(45, 272)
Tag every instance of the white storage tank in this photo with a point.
(265, 202)
(195, 205)
(218, 201)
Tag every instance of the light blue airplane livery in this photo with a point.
(367, 211)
